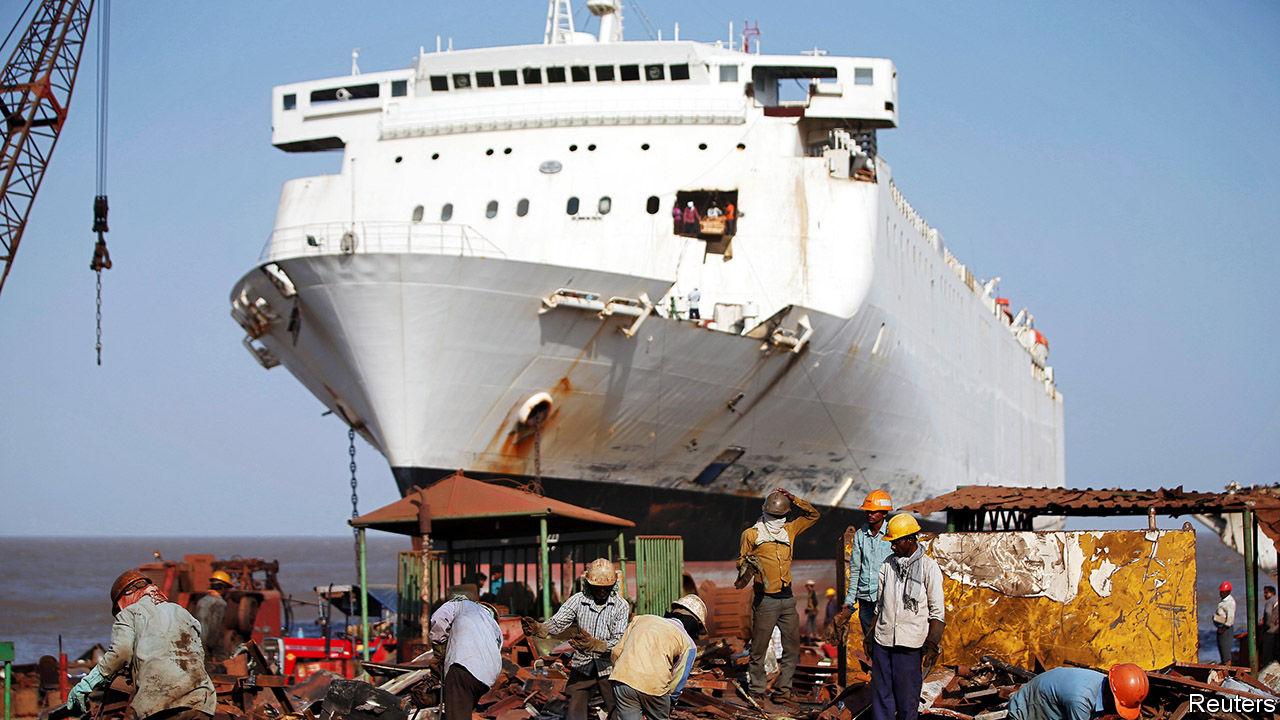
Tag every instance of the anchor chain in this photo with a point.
(98, 345)
(355, 498)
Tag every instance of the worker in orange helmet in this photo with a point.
(867, 553)
(211, 611)
(1070, 693)
(1224, 621)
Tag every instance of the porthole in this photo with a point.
(606, 204)
(446, 212)
(591, 148)
(506, 151)
(572, 207)
(491, 210)
(573, 148)
(702, 146)
(742, 146)
(399, 158)
(644, 146)
(652, 205)
(417, 213)
(435, 156)
(489, 151)
(522, 207)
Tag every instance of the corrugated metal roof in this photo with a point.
(1073, 501)
(462, 507)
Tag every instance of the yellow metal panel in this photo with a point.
(1093, 598)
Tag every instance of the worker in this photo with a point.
(1268, 626)
(909, 623)
(1224, 621)
(691, 218)
(810, 609)
(833, 607)
(714, 211)
(473, 653)
(677, 219)
(601, 616)
(211, 610)
(867, 553)
(730, 219)
(695, 297)
(652, 661)
(1070, 693)
(160, 641)
(765, 553)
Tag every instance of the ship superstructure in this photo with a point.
(495, 280)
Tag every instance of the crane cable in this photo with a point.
(101, 258)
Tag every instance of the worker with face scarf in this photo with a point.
(765, 561)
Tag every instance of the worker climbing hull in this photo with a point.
(496, 282)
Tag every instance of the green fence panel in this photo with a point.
(659, 572)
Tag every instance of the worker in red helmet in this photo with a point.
(160, 641)
(1224, 621)
(1071, 693)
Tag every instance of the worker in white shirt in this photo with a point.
(910, 618)
(1224, 620)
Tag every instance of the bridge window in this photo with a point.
(604, 73)
(653, 72)
(446, 212)
(461, 81)
(555, 74)
(580, 73)
(439, 83)
(290, 101)
(863, 76)
(508, 77)
(787, 86)
(533, 76)
(572, 207)
(338, 94)
(484, 78)
(630, 72)
(680, 72)
(728, 73)
(399, 88)
(417, 213)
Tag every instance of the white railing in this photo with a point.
(412, 120)
(345, 238)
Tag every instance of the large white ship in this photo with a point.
(495, 281)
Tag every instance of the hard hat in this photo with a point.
(900, 526)
(1129, 687)
(220, 576)
(831, 592)
(128, 581)
(1224, 587)
(777, 503)
(809, 582)
(877, 500)
(694, 605)
(600, 573)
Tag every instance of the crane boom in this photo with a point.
(35, 91)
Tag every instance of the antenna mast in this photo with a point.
(559, 23)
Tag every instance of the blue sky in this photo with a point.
(1114, 163)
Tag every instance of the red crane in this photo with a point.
(35, 91)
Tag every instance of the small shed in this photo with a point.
(463, 528)
(992, 508)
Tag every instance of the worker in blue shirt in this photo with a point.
(866, 554)
(1070, 693)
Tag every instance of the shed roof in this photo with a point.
(462, 508)
(1087, 501)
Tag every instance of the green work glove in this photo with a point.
(78, 698)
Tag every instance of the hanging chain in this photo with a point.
(98, 347)
(355, 498)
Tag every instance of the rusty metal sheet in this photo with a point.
(1093, 598)
(1053, 501)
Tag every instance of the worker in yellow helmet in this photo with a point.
(910, 617)
(211, 611)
